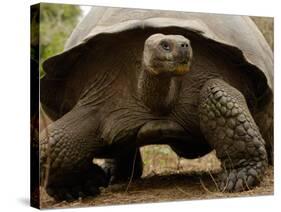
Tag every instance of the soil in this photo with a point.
(166, 178)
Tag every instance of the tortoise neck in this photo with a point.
(159, 93)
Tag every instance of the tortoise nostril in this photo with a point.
(184, 45)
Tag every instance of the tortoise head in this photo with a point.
(167, 55)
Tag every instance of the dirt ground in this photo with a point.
(165, 178)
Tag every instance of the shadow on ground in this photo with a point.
(166, 178)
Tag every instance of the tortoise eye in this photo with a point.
(165, 45)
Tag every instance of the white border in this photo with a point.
(14, 177)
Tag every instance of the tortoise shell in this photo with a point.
(105, 33)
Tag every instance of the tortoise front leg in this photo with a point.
(227, 124)
(67, 148)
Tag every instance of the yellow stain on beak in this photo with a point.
(182, 69)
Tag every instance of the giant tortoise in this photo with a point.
(130, 77)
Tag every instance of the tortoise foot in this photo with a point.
(79, 185)
(242, 178)
(71, 193)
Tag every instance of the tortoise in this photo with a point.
(130, 77)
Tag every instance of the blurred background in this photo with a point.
(56, 25)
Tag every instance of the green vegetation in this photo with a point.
(265, 24)
(56, 24)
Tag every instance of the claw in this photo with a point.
(239, 185)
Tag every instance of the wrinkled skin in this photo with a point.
(172, 98)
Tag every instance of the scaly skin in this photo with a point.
(229, 127)
(166, 58)
(66, 152)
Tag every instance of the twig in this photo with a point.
(214, 180)
(178, 163)
(132, 173)
(204, 187)
(181, 190)
(231, 163)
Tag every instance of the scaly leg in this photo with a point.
(227, 124)
(67, 148)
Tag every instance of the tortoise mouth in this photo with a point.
(170, 67)
(173, 61)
